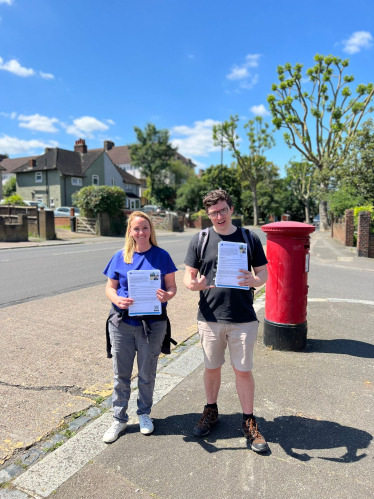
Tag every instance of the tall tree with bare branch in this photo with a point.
(318, 121)
(252, 165)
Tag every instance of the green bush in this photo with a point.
(10, 187)
(93, 199)
(15, 200)
(202, 213)
(357, 210)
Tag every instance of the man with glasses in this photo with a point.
(226, 315)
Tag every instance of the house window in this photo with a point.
(52, 202)
(128, 187)
(38, 176)
(113, 181)
(76, 181)
(39, 199)
(137, 203)
(95, 179)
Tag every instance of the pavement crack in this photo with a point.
(71, 389)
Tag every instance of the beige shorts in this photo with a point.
(240, 337)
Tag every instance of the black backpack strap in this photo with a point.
(202, 242)
(248, 238)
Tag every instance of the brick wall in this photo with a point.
(371, 245)
(338, 230)
(363, 233)
(349, 228)
(14, 231)
(47, 225)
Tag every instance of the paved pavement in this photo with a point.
(314, 407)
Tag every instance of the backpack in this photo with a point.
(203, 241)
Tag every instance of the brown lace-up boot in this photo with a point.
(207, 421)
(251, 432)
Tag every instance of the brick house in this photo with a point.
(120, 156)
(53, 177)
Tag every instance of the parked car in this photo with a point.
(152, 207)
(36, 203)
(316, 221)
(64, 211)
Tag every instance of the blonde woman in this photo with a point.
(129, 335)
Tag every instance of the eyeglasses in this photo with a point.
(214, 214)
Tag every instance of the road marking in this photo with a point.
(84, 251)
(4, 260)
(341, 300)
(342, 267)
(102, 249)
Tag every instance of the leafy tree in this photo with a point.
(302, 182)
(168, 182)
(318, 121)
(15, 199)
(356, 169)
(190, 195)
(152, 153)
(344, 198)
(10, 187)
(253, 164)
(94, 199)
(269, 194)
(228, 178)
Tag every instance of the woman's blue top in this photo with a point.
(154, 259)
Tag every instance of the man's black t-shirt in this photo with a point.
(223, 304)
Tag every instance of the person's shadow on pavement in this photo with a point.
(342, 346)
(290, 432)
(294, 432)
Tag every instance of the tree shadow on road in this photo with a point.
(342, 346)
(290, 432)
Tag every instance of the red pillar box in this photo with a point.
(287, 252)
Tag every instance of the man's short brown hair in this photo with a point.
(213, 197)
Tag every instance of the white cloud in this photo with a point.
(248, 84)
(111, 122)
(85, 126)
(252, 60)
(13, 145)
(241, 72)
(259, 110)
(46, 76)
(238, 73)
(359, 40)
(9, 115)
(8, 2)
(196, 140)
(38, 123)
(13, 66)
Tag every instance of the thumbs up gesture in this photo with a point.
(198, 284)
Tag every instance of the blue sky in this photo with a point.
(93, 69)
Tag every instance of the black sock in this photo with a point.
(247, 416)
(212, 406)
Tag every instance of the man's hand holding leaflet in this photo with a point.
(143, 286)
(232, 257)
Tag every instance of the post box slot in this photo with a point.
(307, 246)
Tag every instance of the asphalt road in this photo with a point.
(34, 273)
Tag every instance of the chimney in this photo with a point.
(80, 146)
(47, 149)
(108, 145)
(32, 163)
(3, 156)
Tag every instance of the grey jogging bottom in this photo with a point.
(126, 340)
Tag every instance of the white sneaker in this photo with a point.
(114, 431)
(146, 425)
